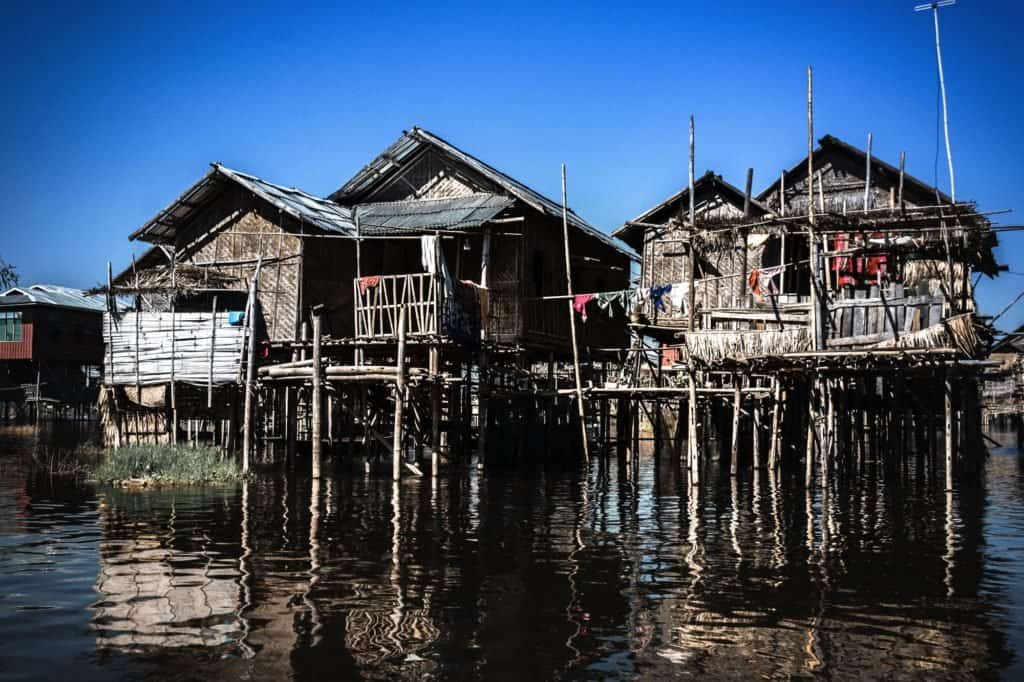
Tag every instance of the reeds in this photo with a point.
(167, 464)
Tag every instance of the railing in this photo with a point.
(378, 305)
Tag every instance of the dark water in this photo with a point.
(534, 573)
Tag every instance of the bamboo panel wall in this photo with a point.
(139, 348)
(233, 233)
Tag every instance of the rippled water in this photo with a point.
(533, 572)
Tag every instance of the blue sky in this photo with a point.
(110, 111)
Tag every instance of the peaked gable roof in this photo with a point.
(319, 213)
(709, 185)
(414, 142)
(915, 190)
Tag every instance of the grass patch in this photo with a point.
(165, 464)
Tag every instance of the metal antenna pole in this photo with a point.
(934, 7)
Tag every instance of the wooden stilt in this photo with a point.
(396, 449)
(317, 390)
(250, 369)
(737, 407)
(950, 443)
(435, 410)
(773, 449)
(692, 435)
(758, 463)
(581, 411)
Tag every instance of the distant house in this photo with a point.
(51, 335)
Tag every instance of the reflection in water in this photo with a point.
(548, 570)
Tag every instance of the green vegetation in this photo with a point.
(166, 464)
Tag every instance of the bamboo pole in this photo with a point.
(899, 198)
(174, 315)
(572, 325)
(737, 406)
(812, 239)
(396, 447)
(692, 265)
(758, 464)
(213, 337)
(483, 400)
(250, 369)
(773, 450)
(317, 391)
(950, 445)
(867, 177)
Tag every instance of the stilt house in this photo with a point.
(239, 265)
(51, 350)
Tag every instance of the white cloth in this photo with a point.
(678, 295)
(429, 250)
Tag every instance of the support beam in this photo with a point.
(317, 381)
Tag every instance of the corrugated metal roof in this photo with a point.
(411, 142)
(53, 295)
(451, 213)
(323, 213)
(454, 213)
(319, 213)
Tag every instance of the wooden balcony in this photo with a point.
(377, 307)
(433, 310)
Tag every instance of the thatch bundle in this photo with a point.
(957, 331)
(185, 277)
(712, 347)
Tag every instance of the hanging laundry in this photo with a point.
(852, 270)
(762, 280)
(579, 304)
(428, 253)
(607, 300)
(656, 294)
(678, 296)
(368, 283)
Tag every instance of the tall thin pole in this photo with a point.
(692, 265)
(815, 313)
(934, 7)
(317, 398)
(572, 323)
(693, 451)
(867, 177)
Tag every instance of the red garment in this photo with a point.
(754, 281)
(579, 304)
(859, 269)
(368, 283)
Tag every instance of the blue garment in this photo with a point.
(236, 317)
(657, 292)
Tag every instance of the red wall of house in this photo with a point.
(19, 350)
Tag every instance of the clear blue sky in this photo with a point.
(109, 112)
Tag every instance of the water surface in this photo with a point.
(536, 571)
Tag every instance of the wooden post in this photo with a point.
(899, 199)
(737, 406)
(758, 464)
(811, 434)
(174, 327)
(317, 408)
(483, 393)
(213, 345)
(693, 450)
(867, 177)
(950, 444)
(816, 327)
(773, 450)
(250, 368)
(435, 409)
(692, 260)
(396, 443)
(572, 325)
